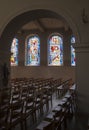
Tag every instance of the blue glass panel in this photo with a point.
(72, 39)
(14, 52)
(33, 51)
(73, 57)
(55, 51)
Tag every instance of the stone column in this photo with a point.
(82, 81)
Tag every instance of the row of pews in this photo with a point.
(57, 117)
(27, 98)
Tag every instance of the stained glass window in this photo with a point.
(73, 57)
(33, 51)
(55, 50)
(14, 52)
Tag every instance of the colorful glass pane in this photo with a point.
(73, 57)
(33, 51)
(55, 51)
(14, 52)
(72, 39)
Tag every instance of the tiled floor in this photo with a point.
(73, 123)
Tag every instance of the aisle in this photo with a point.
(73, 122)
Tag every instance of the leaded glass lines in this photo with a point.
(55, 50)
(14, 52)
(33, 51)
(73, 57)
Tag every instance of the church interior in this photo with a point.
(44, 66)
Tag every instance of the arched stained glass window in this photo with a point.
(55, 50)
(73, 58)
(33, 51)
(14, 52)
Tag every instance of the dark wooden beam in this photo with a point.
(40, 25)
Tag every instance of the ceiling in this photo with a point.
(43, 24)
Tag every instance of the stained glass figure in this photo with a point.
(33, 51)
(55, 50)
(73, 57)
(14, 52)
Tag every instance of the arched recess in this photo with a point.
(16, 23)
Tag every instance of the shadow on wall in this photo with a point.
(4, 75)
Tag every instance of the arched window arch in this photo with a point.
(14, 52)
(55, 50)
(73, 57)
(32, 51)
